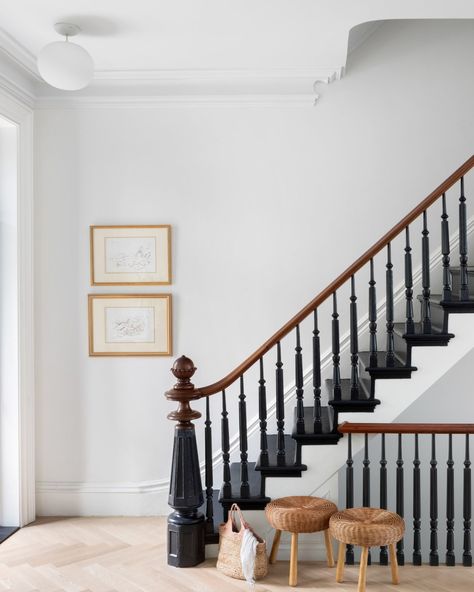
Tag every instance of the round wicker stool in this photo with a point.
(297, 514)
(366, 527)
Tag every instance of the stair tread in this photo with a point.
(399, 362)
(280, 464)
(454, 302)
(255, 498)
(364, 403)
(326, 435)
(400, 329)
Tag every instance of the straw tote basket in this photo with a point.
(230, 543)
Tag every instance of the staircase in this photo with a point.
(197, 513)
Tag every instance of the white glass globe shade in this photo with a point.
(65, 65)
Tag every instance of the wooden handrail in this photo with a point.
(338, 282)
(406, 428)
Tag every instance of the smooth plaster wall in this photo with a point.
(268, 203)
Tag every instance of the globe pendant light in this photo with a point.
(64, 64)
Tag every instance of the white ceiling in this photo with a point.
(143, 39)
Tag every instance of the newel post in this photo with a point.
(186, 526)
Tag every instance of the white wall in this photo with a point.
(268, 203)
(9, 412)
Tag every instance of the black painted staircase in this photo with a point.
(315, 423)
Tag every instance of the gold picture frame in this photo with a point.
(130, 325)
(130, 255)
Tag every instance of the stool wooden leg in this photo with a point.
(294, 559)
(340, 563)
(276, 544)
(363, 569)
(394, 564)
(330, 556)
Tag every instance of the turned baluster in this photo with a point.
(390, 355)
(400, 498)
(409, 323)
(243, 443)
(208, 469)
(434, 557)
(467, 556)
(425, 273)
(225, 445)
(354, 343)
(349, 493)
(450, 557)
(383, 494)
(280, 405)
(317, 376)
(299, 382)
(262, 414)
(464, 288)
(416, 506)
(336, 372)
(366, 481)
(372, 317)
(445, 251)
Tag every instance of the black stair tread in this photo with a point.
(212, 529)
(274, 465)
(256, 499)
(326, 435)
(453, 303)
(418, 335)
(457, 268)
(362, 404)
(399, 362)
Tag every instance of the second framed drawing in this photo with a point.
(130, 255)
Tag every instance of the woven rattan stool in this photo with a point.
(366, 527)
(298, 514)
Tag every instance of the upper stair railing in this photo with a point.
(186, 526)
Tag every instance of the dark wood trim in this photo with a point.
(406, 428)
(338, 282)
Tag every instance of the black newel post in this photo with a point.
(186, 526)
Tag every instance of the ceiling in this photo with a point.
(144, 39)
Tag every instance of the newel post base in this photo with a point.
(186, 525)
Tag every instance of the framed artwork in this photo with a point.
(130, 325)
(130, 255)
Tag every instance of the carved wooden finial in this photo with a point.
(183, 369)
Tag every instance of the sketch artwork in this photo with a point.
(130, 255)
(129, 325)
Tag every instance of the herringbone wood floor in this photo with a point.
(129, 555)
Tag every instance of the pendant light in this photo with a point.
(64, 64)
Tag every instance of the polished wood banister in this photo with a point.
(338, 282)
(406, 428)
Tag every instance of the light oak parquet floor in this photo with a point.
(129, 555)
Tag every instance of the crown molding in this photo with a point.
(19, 55)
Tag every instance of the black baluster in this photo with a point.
(227, 488)
(208, 470)
(354, 343)
(349, 494)
(445, 250)
(450, 557)
(280, 406)
(366, 480)
(318, 427)
(244, 470)
(336, 373)
(464, 288)
(372, 317)
(390, 356)
(400, 499)
(434, 558)
(425, 275)
(416, 506)
(299, 384)
(383, 494)
(466, 556)
(262, 414)
(409, 324)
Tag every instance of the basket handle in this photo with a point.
(231, 523)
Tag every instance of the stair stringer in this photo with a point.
(324, 462)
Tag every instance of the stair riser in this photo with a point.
(456, 282)
(401, 345)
